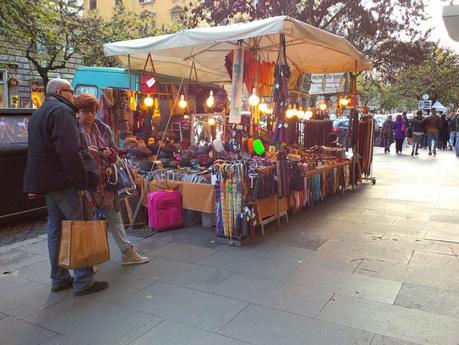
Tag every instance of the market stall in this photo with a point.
(268, 152)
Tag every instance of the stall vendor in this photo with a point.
(332, 140)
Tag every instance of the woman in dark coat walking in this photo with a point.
(387, 134)
(443, 133)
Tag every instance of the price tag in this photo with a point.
(150, 82)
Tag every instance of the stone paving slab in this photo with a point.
(62, 340)
(429, 299)
(345, 283)
(18, 332)
(10, 282)
(263, 326)
(174, 333)
(278, 295)
(13, 259)
(179, 273)
(445, 234)
(94, 322)
(251, 263)
(195, 308)
(383, 340)
(331, 261)
(30, 298)
(183, 252)
(402, 323)
(367, 250)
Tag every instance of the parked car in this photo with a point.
(340, 127)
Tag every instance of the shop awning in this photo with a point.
(309, 49)
(439, 107)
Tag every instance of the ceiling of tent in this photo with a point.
(309, 49)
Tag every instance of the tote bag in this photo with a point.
(84, 243)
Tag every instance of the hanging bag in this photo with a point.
(120, 178)
(83, 243)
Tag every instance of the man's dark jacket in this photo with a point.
(54, 161)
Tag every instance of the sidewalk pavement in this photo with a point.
(378, 265)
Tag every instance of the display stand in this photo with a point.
(270, 210)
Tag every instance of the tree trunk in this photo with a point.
(44, 76)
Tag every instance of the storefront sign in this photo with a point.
(237, 83)
(425, 105)
(322, 84)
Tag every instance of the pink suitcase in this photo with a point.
(165, 210)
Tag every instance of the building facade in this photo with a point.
(164, 11)
(20, 84)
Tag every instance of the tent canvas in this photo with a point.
(309, 49)
(439, 107)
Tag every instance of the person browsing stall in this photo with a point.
(55, 169)
(99, 141)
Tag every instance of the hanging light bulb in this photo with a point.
(211, 121)
(344, 102)
(182, 103)
(263, 107)
(290, 112)
(308, 114)
(148, 101)
(210, 101)
(294, 111)
(323, 106)
(254, 99)
(301, 113)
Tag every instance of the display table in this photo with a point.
(195, 196)
(270, 209)
(326, 168)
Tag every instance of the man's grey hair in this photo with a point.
(56, 84)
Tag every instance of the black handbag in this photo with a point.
(119, 178)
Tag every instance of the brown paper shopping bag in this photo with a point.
(84, 243)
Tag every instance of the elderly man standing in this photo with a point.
(55, 169)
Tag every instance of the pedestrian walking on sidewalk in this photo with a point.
(443, 134)
(457, 136)
(407, 125)
(418, 129)
(56, 170)
(452, 131)
(433, 124)
(399, 133)
(98, 139)
(387, 133)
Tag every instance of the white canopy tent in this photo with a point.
(439, 107)
(309, 49)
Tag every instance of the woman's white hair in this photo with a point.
(56, 84)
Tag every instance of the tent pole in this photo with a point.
(129, 71)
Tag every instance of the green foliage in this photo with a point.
(49, 31)
(437, 76)
(123, 25)
(54, 31)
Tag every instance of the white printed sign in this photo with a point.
(237, 84)
(322, 84)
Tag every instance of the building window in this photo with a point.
(177, 12)
(92, 5)
(3, 89)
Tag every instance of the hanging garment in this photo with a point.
(283, 178)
